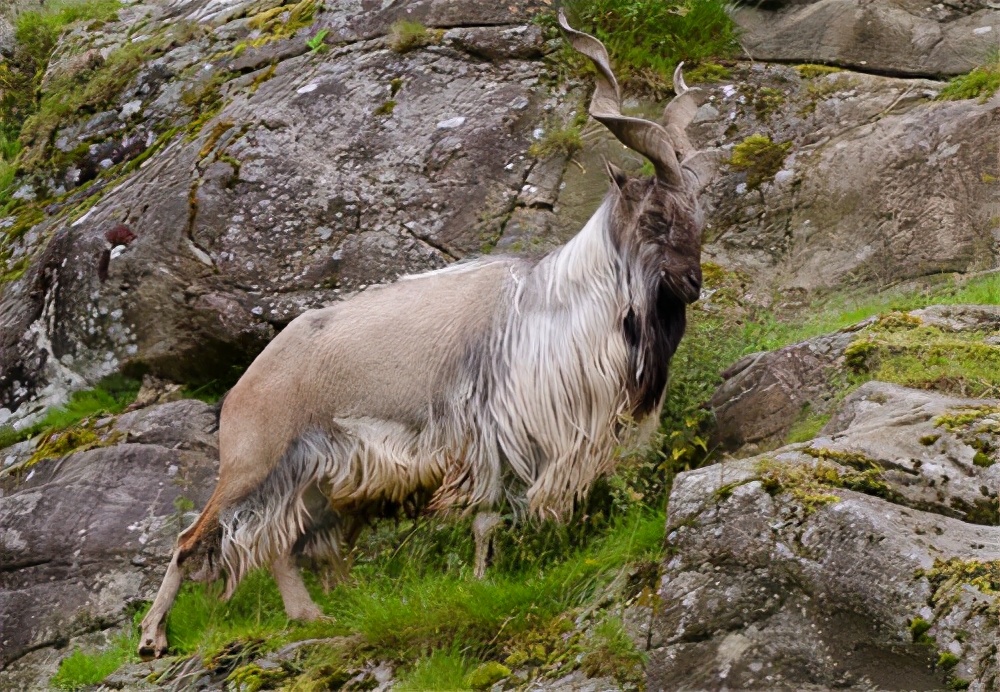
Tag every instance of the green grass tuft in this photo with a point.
(981, 83)
(646, 40)
(84, 669)
(405, 36)
(444, 669)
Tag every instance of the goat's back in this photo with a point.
(384, 354)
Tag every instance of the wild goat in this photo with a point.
(495, 380)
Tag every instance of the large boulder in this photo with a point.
(84, 539)
(901, 37)
(861, 180)
(295, 178)
(833, 564)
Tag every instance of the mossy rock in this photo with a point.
(759, 158)
(487, 674)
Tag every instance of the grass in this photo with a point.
(405, 36)
(407, 603)
(646, 40)
(83, 669)
(111, 395)
(444, 669)
(981, 83)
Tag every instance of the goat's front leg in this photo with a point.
(483, 527)
(298, 604)
(153, 640)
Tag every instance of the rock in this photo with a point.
(301, 141)
(519, 42)
(868, 191)
(897, 37)
(87, 536)
(765, 394)
(779, 577)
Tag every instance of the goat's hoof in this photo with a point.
(307, 614)
(153, 647)
(148, 653)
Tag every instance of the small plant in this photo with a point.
(560, 139)
(707, 73)
(317, 43)
(613, 653)
(918, 631)
(405, 36)
(981, 83)
(486, 675)
(811, 71)
(947, 660)
(760, 158)
(445, 669)
(386, 108)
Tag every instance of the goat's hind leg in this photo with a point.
(298, 603)
(483, 527)
(153, 639)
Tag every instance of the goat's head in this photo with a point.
(655, 218)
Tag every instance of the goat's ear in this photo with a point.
(616, 174)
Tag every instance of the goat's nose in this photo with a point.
(694, 281)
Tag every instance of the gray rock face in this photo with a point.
(85, 536)
(898, 37)
(780, 577)
(877, 184)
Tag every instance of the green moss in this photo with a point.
(806, 484)
(707, 73)
(928, 440)
(855, 460)
(918, 631)
(405, 36)
(811, 71)
(981, 83)
(561, 139)
(759, 158)
(612, 653)
(957, 683)
(385, 109)
(486, 675)
(961, 419)
(946, 575)
(982, 460)
(765, 100)
(286, 20)
(947, 660)
(395, 85)
(252, 678)
(926, 357)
